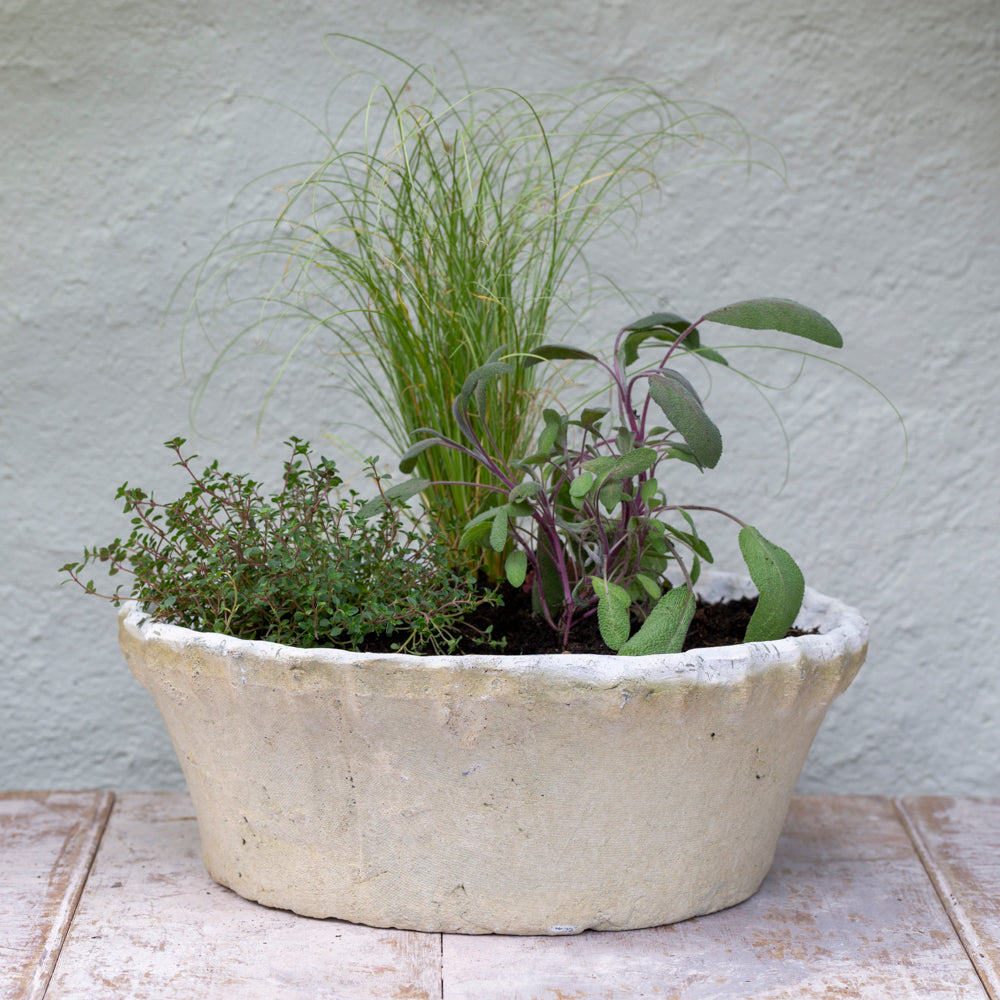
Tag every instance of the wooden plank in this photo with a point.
(47, 843)
(847, 911)
(959, 843)
(151, 923)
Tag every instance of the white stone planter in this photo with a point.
(477, 794)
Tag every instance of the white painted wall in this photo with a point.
(117, 170)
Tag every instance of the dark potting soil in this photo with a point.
(720, 624)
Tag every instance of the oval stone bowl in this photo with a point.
(495, 794)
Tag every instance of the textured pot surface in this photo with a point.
(477, 794)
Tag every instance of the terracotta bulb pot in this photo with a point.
(509, 794)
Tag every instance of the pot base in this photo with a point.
(490, 794)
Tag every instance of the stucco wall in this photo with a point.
(118, 165)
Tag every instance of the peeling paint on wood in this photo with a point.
(847, 911)
(152, 924)
(47, 843)
(959, 842)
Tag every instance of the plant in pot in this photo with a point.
(336, 773)
(433, 229)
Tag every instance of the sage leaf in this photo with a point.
(779, 582)
(663, 326)
(600, 466)
(666, 328)
(632, 463)
(401, 491)
(590, 415)
(613, 619)
(675, 395)
(478, 528)
(555, 422)
(370, 508)
(516, 567)
(519, 508)
(649, 585)
(682, 453)
(481, 374)
(580, 486)
(557, 352)
(548, 583)
(498, 529)
(783, 315)
(659, 321)
(664, 629)
(409, 460)
(405, 490)
(521, 492)
(611, 495)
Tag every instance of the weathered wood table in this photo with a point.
(105, 897)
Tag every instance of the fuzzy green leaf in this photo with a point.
(779, 581)
(613, 603)
(525, 464)
(516, 567)
(599, 466)
(708, 353)
(554, 424)
(783, 315)
(625, 466)
(498, 529)
(611, 495)
(692, 541)
(698, 545)
(371, 508)
(666, 328)
(409, 460)
(682, 453)
(675, 395)
(557, 352)
(663, 326)
(580, 486)
(495, 356)
(478, 528)
(405, 490)
(659, 321)
(521, 492)
(648, 585)
(401, 492)
(665, 628)
(483, 373)
(590, 415)
(548, 583)
(625, 440)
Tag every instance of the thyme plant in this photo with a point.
(437, 229)
(297, 566)
(586, 507)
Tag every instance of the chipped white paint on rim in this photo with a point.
(520, 794)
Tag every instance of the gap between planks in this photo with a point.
(74, 846)
(983, 950)
(830, 841)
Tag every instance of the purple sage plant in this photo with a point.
(584, 519)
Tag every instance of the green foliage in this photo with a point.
(430, 253)
(677, 398)
(440, 231)
(779, 581)
(665, 628)
(297, 567)
(778, 314)
(585, 504)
